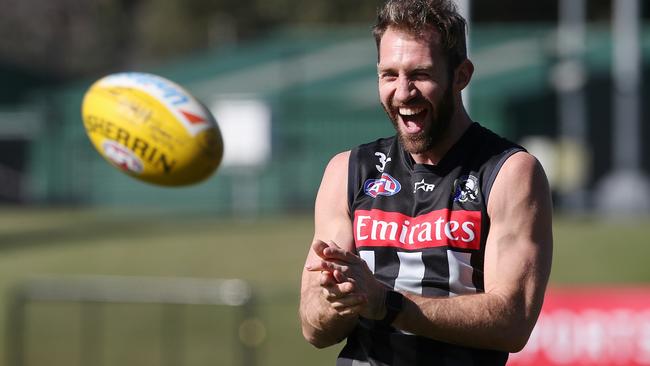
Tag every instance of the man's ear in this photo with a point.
(463, 75)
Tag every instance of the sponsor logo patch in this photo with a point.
(122, 157)
(440, 228)
(423, 186)
(466, 189)
(384, 186)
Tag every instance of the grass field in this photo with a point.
(267, 252)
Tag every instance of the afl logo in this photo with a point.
(384, 186)
(122, 157)
(466, 189)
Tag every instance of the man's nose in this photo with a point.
(405, 90)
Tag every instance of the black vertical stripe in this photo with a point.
(477, 261)
(386, 265)
(436, 272)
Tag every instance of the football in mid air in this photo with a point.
(152, 129)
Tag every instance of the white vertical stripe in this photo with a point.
(460, 273)
(411, 272)
(369, 257)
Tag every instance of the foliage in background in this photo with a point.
(68, 38)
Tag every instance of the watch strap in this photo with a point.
(393, 302)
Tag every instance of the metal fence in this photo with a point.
(97, 292)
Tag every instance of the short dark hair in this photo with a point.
(418, 16)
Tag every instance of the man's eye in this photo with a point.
(421, 75)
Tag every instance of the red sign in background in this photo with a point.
(590, 326)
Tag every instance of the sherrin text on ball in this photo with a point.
(152, 129)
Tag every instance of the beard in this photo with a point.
(433, 132)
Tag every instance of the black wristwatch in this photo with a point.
(394, 303)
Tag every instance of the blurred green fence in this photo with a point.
(320, 86)
(80, 314)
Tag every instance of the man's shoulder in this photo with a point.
(491, 141)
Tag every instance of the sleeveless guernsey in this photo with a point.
(422, 229)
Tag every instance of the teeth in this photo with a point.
(406, 111)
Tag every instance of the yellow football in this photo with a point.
(152, 129)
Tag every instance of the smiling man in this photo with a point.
(434, 246)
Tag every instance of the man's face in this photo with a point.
(415, 88)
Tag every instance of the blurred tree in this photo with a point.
(65, 37)
(69, 38)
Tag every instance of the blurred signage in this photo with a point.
(245, 124)
(590, 326)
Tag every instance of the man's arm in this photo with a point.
(322, 325)
(517, 266)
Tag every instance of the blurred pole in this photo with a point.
(626, 189)
(626, 72)
(569, 78)
(464, 8)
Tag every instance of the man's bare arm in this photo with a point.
(517, 266)
(322, 325)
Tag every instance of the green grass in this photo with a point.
(268, 253)
(594, 251)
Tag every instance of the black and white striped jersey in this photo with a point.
(422, 228)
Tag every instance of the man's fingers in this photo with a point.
(351, 301)
(345, 312)
(331, 250)
(338, 290)
(318, 246)
(339, 276)
(326, 279)
(325, 266)
(334, 252)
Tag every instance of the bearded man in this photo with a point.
(433, 246)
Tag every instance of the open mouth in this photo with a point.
(412, 118)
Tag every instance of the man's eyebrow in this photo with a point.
(423, 67)
(417, 68)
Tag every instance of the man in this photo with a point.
(439, 250)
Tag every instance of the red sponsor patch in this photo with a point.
(456, 229)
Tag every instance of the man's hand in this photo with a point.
(341, 295)
(347, 283)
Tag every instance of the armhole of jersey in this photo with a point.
(493, 175)
(352, 179)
